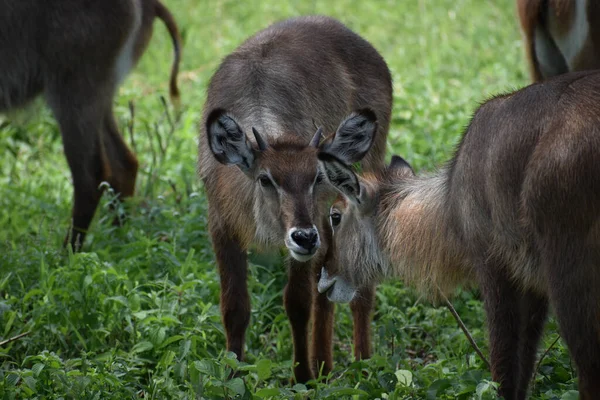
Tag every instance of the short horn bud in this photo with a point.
(314, 142)
(262, 145)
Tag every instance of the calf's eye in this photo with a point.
(265, 181)
(335, 217)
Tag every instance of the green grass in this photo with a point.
(136, 314)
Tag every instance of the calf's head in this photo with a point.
(289, 186)
(358, 221)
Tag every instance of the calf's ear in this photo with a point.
(340, 176)
(400, 167)
(228, 143)
(353, 138)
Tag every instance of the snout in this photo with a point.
(305, 238)
(338, 289)
(303, 243)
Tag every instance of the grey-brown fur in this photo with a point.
(517, 210)
(284, 82)
(68, 51)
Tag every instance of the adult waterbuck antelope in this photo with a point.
(76, 53)
(516, 210)
(560, 35)
(261, 173)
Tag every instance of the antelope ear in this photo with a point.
(341, 176)
(354, 137)
(400, 167)
(227, 142)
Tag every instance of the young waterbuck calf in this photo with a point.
(517, 210)
(261, 173)
(560, 35)
(76, 53)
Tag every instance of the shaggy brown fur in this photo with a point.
(516, 210)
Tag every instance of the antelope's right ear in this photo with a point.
(340, 176)
(227, 142)
(354, 137)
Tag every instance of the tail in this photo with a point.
(165, 15)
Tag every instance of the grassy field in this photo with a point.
(135, 315)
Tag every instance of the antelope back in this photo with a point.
(524, 178)
(43, 44)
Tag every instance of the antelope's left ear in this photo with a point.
(340, 176)
(354, 137)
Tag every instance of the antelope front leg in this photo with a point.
(362, 307)
(323, 313)
(322, 334)
(297, 298)
(235, 301)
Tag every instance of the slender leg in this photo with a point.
(233, 269)
(122, 162)
(80, 114)
(502, 301)
(322, 334)
(362, 307)
(323, 311)
(534, 309)
(297, 298)
(574, 278)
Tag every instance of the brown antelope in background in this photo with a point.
(76, 53)
(516, 210)
(560, 36)
(261, 173)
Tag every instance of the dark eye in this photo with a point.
(265, 181)
(335, 217)
(319, 178)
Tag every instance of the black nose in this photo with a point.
(305, 238)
